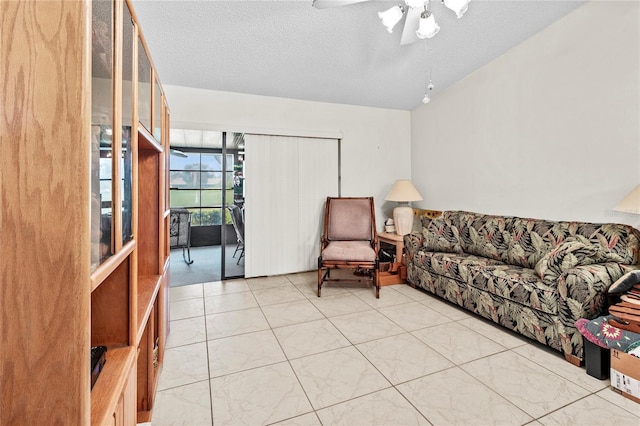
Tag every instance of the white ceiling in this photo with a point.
(341, 55)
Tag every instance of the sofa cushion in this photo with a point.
(518, 284)
(484, 235)
(574, 251)
(460, 267)
(441, 235)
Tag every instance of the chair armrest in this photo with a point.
(583, 290)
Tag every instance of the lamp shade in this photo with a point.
(403, 191)
(391, 17)
(427, 27)
(630, 203)
(458, 6)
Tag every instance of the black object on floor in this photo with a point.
(597, 360)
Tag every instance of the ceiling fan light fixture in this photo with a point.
(416, 3)
(428, 26)
(458, 6)
(391, 17)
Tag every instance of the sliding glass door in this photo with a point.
(206, 180)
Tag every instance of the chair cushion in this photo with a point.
(349, 219)
(354, 251)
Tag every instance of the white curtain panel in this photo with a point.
(287, 180)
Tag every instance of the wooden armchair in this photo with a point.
(349, 240)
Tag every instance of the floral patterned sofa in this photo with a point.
(536, 277)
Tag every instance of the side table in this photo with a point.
(399, 277)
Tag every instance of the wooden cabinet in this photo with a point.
(84, 221)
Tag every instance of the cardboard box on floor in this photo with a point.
(625, 374)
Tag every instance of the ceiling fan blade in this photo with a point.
(411, 24)
(325, 4)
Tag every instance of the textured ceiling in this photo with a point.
(341, 55)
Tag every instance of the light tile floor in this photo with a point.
(268, 351)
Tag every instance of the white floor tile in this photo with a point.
(458, 343)
(336, 376)
(617, 399)
(342, 304)
(555, 362)
(310, 419)
(238, 353)
(184, 365)
(309, 338)
(272, 296)
(262, 283)
(225, 287)
(186, 309)
(414, 316)
(527, 385)
(495, 332)
(386, 407)
(291, 313)
(188, 405)
(591, 410)
(403, 357)
(259, 396)
(186, 332)
(185, 292)
(229, 302)
(236, 322)
(452, 397)
(364, 326)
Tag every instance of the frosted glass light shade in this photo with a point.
(415, 3)
(391, 17)
(458, 6)
(427, 27)
(630, 203)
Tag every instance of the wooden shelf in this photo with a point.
(148, 287)
(106, 392)
(147, 142)
(111, 264)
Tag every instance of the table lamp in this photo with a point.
(630, 203)
(403, 192)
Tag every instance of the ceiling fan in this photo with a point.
(419, 22)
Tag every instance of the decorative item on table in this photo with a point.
(403, 192)
(389, 226)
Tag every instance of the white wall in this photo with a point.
(551, 129)
(375, 142)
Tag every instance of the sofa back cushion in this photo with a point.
(572, 252)
(524, 241)
(440, 235)
(483, 235)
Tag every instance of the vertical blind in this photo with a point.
(287, 180)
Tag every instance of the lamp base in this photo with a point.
(403, 219)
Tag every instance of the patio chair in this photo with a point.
(180, 232)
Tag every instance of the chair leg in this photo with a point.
(319, 280)
(376, 282)
(189, 261)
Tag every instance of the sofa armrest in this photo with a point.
(583, 290)
(412, 243)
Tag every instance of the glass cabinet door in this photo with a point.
(144, 87)
(157, 112)
(101, 131)
(127, 124)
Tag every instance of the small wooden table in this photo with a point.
(388, 278)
